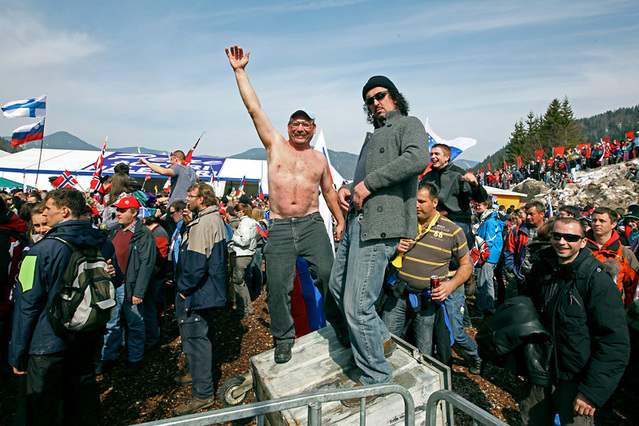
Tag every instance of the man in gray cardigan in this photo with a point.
(381, 204)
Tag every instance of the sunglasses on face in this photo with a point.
(571, 238)
(376, 97)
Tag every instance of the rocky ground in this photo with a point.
(152, 394)
(605, 185)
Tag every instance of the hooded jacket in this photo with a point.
(39, 280)
(201, 268)
(490, 229)
(455, 193)
(615, 253)
(579, 305)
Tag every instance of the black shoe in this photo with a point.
(283, 353)
(475, 368)
(343, 337)
(132, 368)
(105, 366)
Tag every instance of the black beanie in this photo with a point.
(377, 81)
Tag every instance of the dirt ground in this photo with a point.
(152, 393)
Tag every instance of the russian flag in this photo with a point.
(241, 188)
(34, 107)
(28, 133)
(457, 145)
(306, 302)
(261, 195)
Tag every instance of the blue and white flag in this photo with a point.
(457, 145)
(28, 133)
(35, 107)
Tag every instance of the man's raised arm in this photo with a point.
(264, 128)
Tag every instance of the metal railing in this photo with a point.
(314, 402)
(479, 415)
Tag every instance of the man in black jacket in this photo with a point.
(135, 249)
(579, 304)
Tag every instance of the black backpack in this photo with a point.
(86, 295)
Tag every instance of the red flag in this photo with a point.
(488, 166)
(519, 162)
(558, 150)
(630, 135)
(65, 180)
(539, 155)
(481, 170)
(189, 156)
(606, 140)
(505, 165)
(147, 177)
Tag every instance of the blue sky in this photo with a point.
(154, 73)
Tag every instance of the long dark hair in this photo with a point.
(400, 100)
(119, 183)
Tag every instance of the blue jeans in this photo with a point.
(356, 282)
(305, 237)
(485, 301)
(134, 315)
(455, 309)
(198, 343)
(396, 313)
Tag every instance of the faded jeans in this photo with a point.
(396, 313)
(455, 306)
(356, 282)
(485, 301)
(134, 315)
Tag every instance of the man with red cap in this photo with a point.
(136, 252)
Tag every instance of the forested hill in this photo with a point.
(558, 127)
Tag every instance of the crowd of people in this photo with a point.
(559, 170)
(407, 251)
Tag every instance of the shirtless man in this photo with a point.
(296, 173)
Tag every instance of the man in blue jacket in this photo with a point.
(201, 286)
(55, 368)
(490, 230)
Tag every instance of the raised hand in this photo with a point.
(236, 56)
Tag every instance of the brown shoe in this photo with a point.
(185, 380)
(194, 405)
(354, 402)
(389, 347)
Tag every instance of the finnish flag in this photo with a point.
(35, 107)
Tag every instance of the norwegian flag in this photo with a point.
(167, 186)
(189, 156)
(96, 184)
(147, 177)
(65, 180)
(241, 188)
(95, 180)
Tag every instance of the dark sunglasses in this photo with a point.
(376, 97)
(571, 238)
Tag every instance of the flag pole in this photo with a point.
(39, 160)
